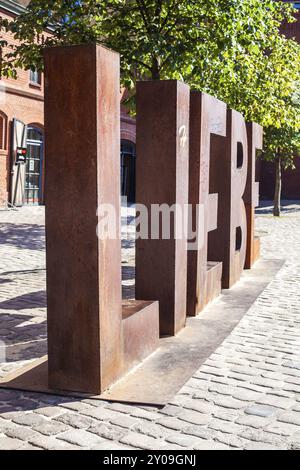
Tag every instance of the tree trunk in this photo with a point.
(155, 72)
(277, 196)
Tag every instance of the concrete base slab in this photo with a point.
(158, 378)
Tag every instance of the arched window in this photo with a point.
(3, 131)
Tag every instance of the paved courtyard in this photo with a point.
(245, 396)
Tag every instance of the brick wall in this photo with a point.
(23, 100)
(19, 99)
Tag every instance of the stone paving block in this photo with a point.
(225, 427)
(7, 414)
(51, 400)
(51, 428)
(50, 411)
(29, 447)
(81, 438)
(22, 404)
(273, 400)
(221, 389)
(290, 379)
(291, 417)
(95, 402)
(170, 446)
(24, 433)
(7, 443)
(120, 407)
(195, 382)
(6, 395)
(288, 387)
(144, 414)
(179, 399)
(282, 394)
(208, 370)
(283, 429)
(264, 411)
(109, 445)
(198, 405)
(295, 441)
(229, 402)
(184, 440)
(202, 383)
(75, 420)
(77, 406)
(200, 431)
(246, 395)
(124, 421)
(265, 382)
(259, 435)
(194, 418)
(231, 440)
(244, 370)
(253, 421)
(171, 410)
(108, 431)
(101, 414)
(152, 429)
(263, 446)
(6, 424)
(172, 423)
(29, 419)
(141, 441)
(52, 443)
(225, 414)
(211, 445)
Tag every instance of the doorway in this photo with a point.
(128, 156)
(34, 166)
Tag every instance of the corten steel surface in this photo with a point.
(162, 178)
(92, 339)
(251, 195)
(82, 157)
(207, 116)
(140, 330)
(161, 375)
(229, 163)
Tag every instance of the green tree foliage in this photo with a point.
(232, 49)
(281, 145)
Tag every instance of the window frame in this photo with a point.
(35, 78)
(3, 145)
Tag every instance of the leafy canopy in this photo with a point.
(232, 49)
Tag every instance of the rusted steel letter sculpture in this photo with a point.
(162, 178)
(229, 163)
(207, 116)
(255, 142)
(92, 340)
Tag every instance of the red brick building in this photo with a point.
(21, 124)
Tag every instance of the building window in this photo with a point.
(3, 131)
(297, 5)
(128, 156)
(34, 166)
(35, 77)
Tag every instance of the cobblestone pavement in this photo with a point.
(245, 396)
